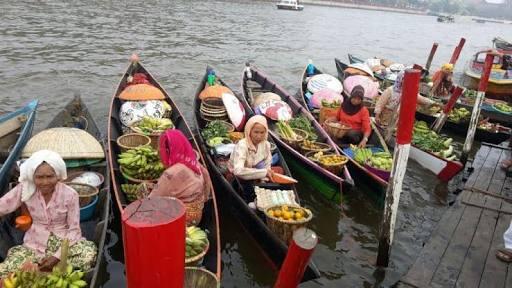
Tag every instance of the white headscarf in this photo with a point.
(28, 168)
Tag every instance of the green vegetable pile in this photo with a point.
(331, 104)
(361, 155)
(215, 129)
(470, 93)
(303, 123)
(430, 141)
(503, 107)
(381, 160)
(286, 131)
(459, 114)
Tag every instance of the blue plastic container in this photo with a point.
(87, 212)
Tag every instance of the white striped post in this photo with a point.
(401, 155)
(439, 123)
(473, 123)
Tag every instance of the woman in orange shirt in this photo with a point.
(354, 113)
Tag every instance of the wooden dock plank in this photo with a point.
(480, 157)
(449, 268)
(487, 169)
(495, 271)
(423, 269)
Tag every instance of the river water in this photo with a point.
(53, 49)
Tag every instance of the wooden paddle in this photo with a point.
(381, 139)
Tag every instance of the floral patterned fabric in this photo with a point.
(133, 111)
(81, 255)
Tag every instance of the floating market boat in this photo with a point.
(232, 191)
(500, 79)
(15, 130)
(74, 114)
(210, 218)
(362, 175)
(254, 83)
(445, 18)
(488, 132)
(290, 5)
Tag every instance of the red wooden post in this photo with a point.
(401, 155)
(154, 243)
(438, 124)
(431, 56)
(299, 252)
(456, 52)
(473, 123)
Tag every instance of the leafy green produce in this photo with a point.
(470, 93)
(215, 129)
(459, 114)
(503, 107)
(303, 123)
(430, 141)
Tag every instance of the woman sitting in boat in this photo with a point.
(388, 102)
(442, 82)
(184, 178)
(355, 114)
(55, 213)
(252, 157)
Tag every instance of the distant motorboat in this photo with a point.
(445, 19)
(290, 5)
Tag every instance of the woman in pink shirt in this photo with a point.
(55, 213)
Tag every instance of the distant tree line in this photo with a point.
(439, 6)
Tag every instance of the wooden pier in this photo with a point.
(461, 251)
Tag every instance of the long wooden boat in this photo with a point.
(253, 221)
(362, 175)
(260, 83)
(95, 229)
(500, 83)
(15, 130)
(210, 219)
(444, 169)
(461, 129)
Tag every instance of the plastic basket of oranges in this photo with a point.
(283, 220)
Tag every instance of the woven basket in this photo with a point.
(132, 140)
(194, 212)
(295, 143)
(134, 180)
(155, 137)
(284, 228)
(196, 260)
(310, 154)
(85, 192)
(323, 147)
(334, 129)
(334, 168)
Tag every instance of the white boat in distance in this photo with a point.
(290, 5)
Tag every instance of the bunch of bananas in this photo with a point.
(196, 241)
(361, 155)
(132, 191)
(150, 125)
(56, 279)
(141, 163)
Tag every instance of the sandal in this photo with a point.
(504, 255)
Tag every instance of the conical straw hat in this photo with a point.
(70, 143)
(141, 92)
(214, 91)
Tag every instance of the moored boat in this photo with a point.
(15, 130)
(500, 79)
(74, 114)
(362, 175)
(210, 219)
(259, 83)
(290, 5)
(232, 191)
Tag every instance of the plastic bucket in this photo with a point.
(87, 211)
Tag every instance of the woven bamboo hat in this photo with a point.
(70, 143)
(141, 92)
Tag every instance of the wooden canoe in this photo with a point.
(210, 219)
(231, 195)
(362, 175)
(95, 229)
(260, 83)
(15, 130)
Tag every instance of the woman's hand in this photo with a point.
(270, 173)
(47, 263)
(362, 144)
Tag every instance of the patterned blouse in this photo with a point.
(61, 216)
(244, 161)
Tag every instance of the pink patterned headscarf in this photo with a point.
(175, 148)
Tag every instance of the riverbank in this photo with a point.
(360, 6)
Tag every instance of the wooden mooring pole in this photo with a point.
(401, 155)
(431, 56)
(456, 52)
(473, 123)
(439, 123)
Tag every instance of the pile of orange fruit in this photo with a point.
(286, 212)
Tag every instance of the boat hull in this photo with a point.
(496, 89)
(290, 7)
